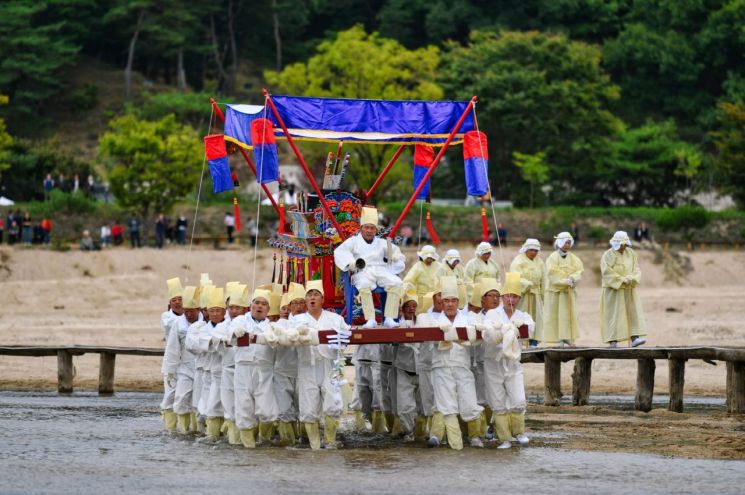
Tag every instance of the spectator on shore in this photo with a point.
(117, 233)
(48, 186)
(76, 184)
(501, 234)
(575, 232)
(134, 231)
(2, 229)
(230, 226)
(14, 233)
(87, 243)
(181, 225)
(46, 230)
(253, 230)
(62, 183)
(406, 234)
(641, 232)
(170, 234)
(160, 231)
(105, 236)
(91, 187)
(27, 229)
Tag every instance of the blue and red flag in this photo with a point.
(265, 150)
(476, 158)
(217, 157)
(423, 158)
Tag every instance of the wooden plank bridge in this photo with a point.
(734, 357)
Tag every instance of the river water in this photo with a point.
(110, 445)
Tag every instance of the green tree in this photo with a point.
(729, 140)
(533, 169)
(6, 141)
(538, 93)
(151, 164)
(31, 54)
(649, 165)
(360, 65)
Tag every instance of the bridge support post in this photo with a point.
(736, 387)
(644, 384)
(106, 373)
(581, 381)
(552, 379)
(677, 368)
(65, 372)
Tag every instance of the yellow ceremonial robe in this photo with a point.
(531, 278)
(621, 315)
(560, 300)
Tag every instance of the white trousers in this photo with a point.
(182, 401)
(285, 393)
(316, 395)
(204, 394)
(254, 395)
(408, 404)
(478, 375)
(505, 390)
(386, 404)
(197, 388)
(455, 392)
(169, 394)
(426, 392)
(227, 392)
(375, 276)
(366, 396)
(214, 407)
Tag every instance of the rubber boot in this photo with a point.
(420, 428)
(389, 420)
(368, 307)
(517, 423)
(266, 430)
(170, 419)
(286, 433)
(194, 422)
(225, 426)
(483, 423)
(502, 427)
(397, 430)
(234, 435)
(184, 423)
(378, 422)
(474, 428)
(248, 438)
(314, 435)
(330, 425)
(452, 427)
(438, 426)
(359, 421)
(213, 427)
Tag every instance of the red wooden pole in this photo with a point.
(250, 163)
(432, 167)
(303, 164)
(384, 172)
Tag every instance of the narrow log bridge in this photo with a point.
(734, 357)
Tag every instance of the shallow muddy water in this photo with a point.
(89, 444)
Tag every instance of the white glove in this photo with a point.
(627, 279)
(239, 331)
(288, 336)
(303, 332)
(569, 282)
(268, 337)
(340, 339)
(518, 322)
(451, 334)
(406, 323)
(492, 335)
(225, 338)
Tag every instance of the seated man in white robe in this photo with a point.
(374, 262)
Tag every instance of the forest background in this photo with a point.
(594, 105)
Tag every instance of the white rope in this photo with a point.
(187, 266)
(258, 202)
(491, 196)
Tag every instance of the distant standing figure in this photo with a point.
(253, 230)
(2, 229)
(91, 186)
(160, 231)
(117, 233)
(501, 233)
(105, 236)
(48, 186)
(575, 232)
(86, 242)
(27, 229)
(76, 184)
(181, 225)
(134, 231)
(230, 226)
(46, 230)
(641, 232)
(621, 315)
(563, 272)
(13, 233)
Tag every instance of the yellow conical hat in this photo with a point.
(274, 300)
(229, 286)
(314, 285)
(174, 288)
(426, 302)
(273, 288)
(204, 280)
(190, 298)
(217, 298)
(511, 284)
(285, 300)
(262, 293)
(449, 287)
(242, 299)
(295, 291)
(204, 295)
(369, 215)
(410, 295)
(235, 294)
(476, 295)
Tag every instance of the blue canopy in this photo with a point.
(364, 121)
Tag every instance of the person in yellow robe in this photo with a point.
(563, 272)
(422, 277)
(481, 266)
(451, 266)
(531, 269)
(621, 315)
